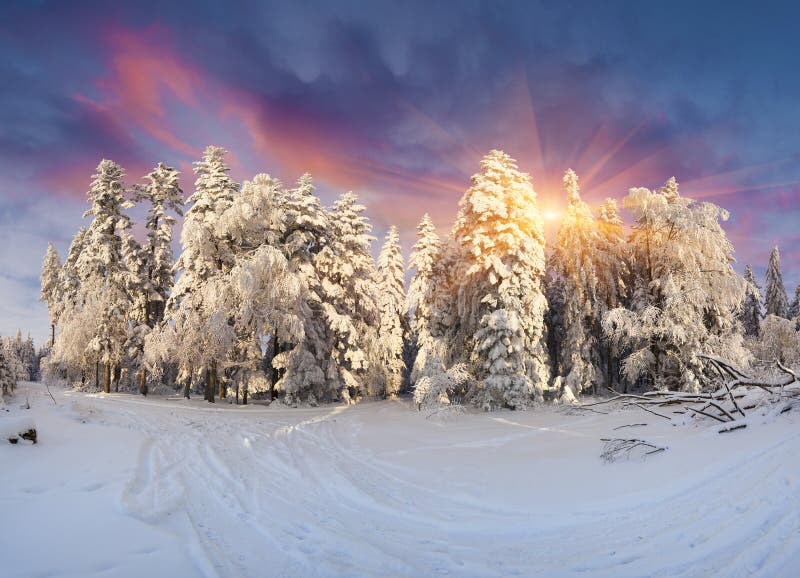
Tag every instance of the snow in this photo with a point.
(120, 485)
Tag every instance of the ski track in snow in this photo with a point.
(378, 490)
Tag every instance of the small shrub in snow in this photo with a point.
(443, 388)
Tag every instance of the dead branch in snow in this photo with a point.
(721, 400)
(617, 448)
(733, 428)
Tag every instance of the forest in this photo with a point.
(275, 297)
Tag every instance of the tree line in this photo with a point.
(274, 295)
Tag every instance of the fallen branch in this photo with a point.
(733, 428)
(720, 404)
(50, 394)
(615, 448)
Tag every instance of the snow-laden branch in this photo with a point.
(721, 404)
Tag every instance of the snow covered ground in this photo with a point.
(125, 486)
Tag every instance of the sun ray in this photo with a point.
(612, 152)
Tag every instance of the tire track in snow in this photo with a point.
(297, 492)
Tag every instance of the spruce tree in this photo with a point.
(307, 370)
(775, 299)
(500, 241)
(612, 270)
(750, 315)
(346, 270)
(573, 263)
(51, 268)
(392, 328)
(101, 267)
(420, 299)
(163, 193)
(205, 256)
(794, 308)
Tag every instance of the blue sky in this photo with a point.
(398, 102)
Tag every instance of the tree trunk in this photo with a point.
(272, 350)
(244, 395)
(97, 375)
(143, 382)
(223, 389)
(211, 382)
(52, 335)
(187, 386)
(107, 378)
(117, 377)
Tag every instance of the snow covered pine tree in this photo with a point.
(775, 300)
(500, 300)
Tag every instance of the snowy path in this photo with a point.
(378, 490)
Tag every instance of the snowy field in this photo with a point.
(124, 486)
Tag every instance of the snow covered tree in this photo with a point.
(306, 371)
(8, 372)
(264, 294)
(775, 299)
(101, 268)
(420, 300)
(206, 255)
(500, 240)
(794, 307)
(670, 190)
(51, 268)
(67, 357)
(573, 263)
(346, 272)
(141, 295)
(163, 192)
(750, 315)
(685, 294)
(393, 328)
(68, 279)
(779, 341)
(25, 352)
(612, 271)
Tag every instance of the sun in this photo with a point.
(551, 215)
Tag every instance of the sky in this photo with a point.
(398, 102)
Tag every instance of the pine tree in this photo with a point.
(346, 271)
(306, 371)
(68, 278)
(101, 267)
(7, 380)
(51, 268)
(573, 263)
(263, 299)
(420, 299)
(163, 192)
(612, 270)
(670, 190)
(750, 315)
(500, 238)
(775, 299)
(393, 328)
(685, 294)
(794, 308)
(206, 255)
(142, 295)
(69, 355)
